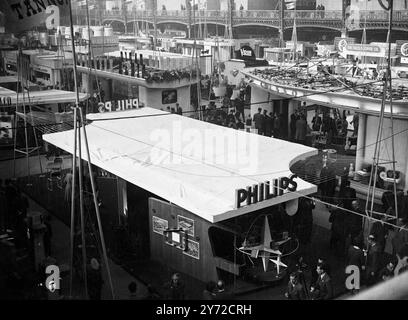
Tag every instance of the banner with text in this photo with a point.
(29, 15)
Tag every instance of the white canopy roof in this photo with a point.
(175, 157)
(42, 97)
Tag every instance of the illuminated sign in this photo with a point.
(245, 53)
(120, 105)
(264, 191)
(342, 45)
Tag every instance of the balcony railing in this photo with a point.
(370, 16)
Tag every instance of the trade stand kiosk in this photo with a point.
(218, 198)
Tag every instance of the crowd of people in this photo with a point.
(17, 243)
(378, 248)
(270, 125)
(13, 212)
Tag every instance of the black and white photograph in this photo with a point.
(186, 224)
(169, 96)
(159, 225)
(191, 150)
(193, 249)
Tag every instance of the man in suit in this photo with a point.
(314, 273)
(323, 286)
(338, 232)
(240, 107)
(355, 256)
(259, 121)
(353, 222)
(179, 110)
(268, 124)
(327, 186)
(301, 130)
(374, 256)
(380, 231)
(295, 290)
(277, 126)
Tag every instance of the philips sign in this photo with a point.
(120, 105)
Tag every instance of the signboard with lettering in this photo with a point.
(120, 105)
(341, 43)
(264, 191)
(245, 53)
(26, 15)
(379, 50)
(363, 47)
(41, 69)
(402, 48)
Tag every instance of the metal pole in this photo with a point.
(75, 130)
(73, 181)
(389, 76)
(344, 27)
(105, 256)
(15, 119)
(124, 14)
(282, 23)
(155, 24)
(377, 148)
(81, 207)
(88, 20)
(21, 68)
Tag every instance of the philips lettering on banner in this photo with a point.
(26, 15)
(120, 105)
(265, 191)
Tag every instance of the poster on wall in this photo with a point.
(193, 249)
(186, 224)
(175, 238)
(159, 225)
(169, 96)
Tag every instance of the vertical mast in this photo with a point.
(282, 23)
(155, 24)
(78, 116)
(387, 90)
